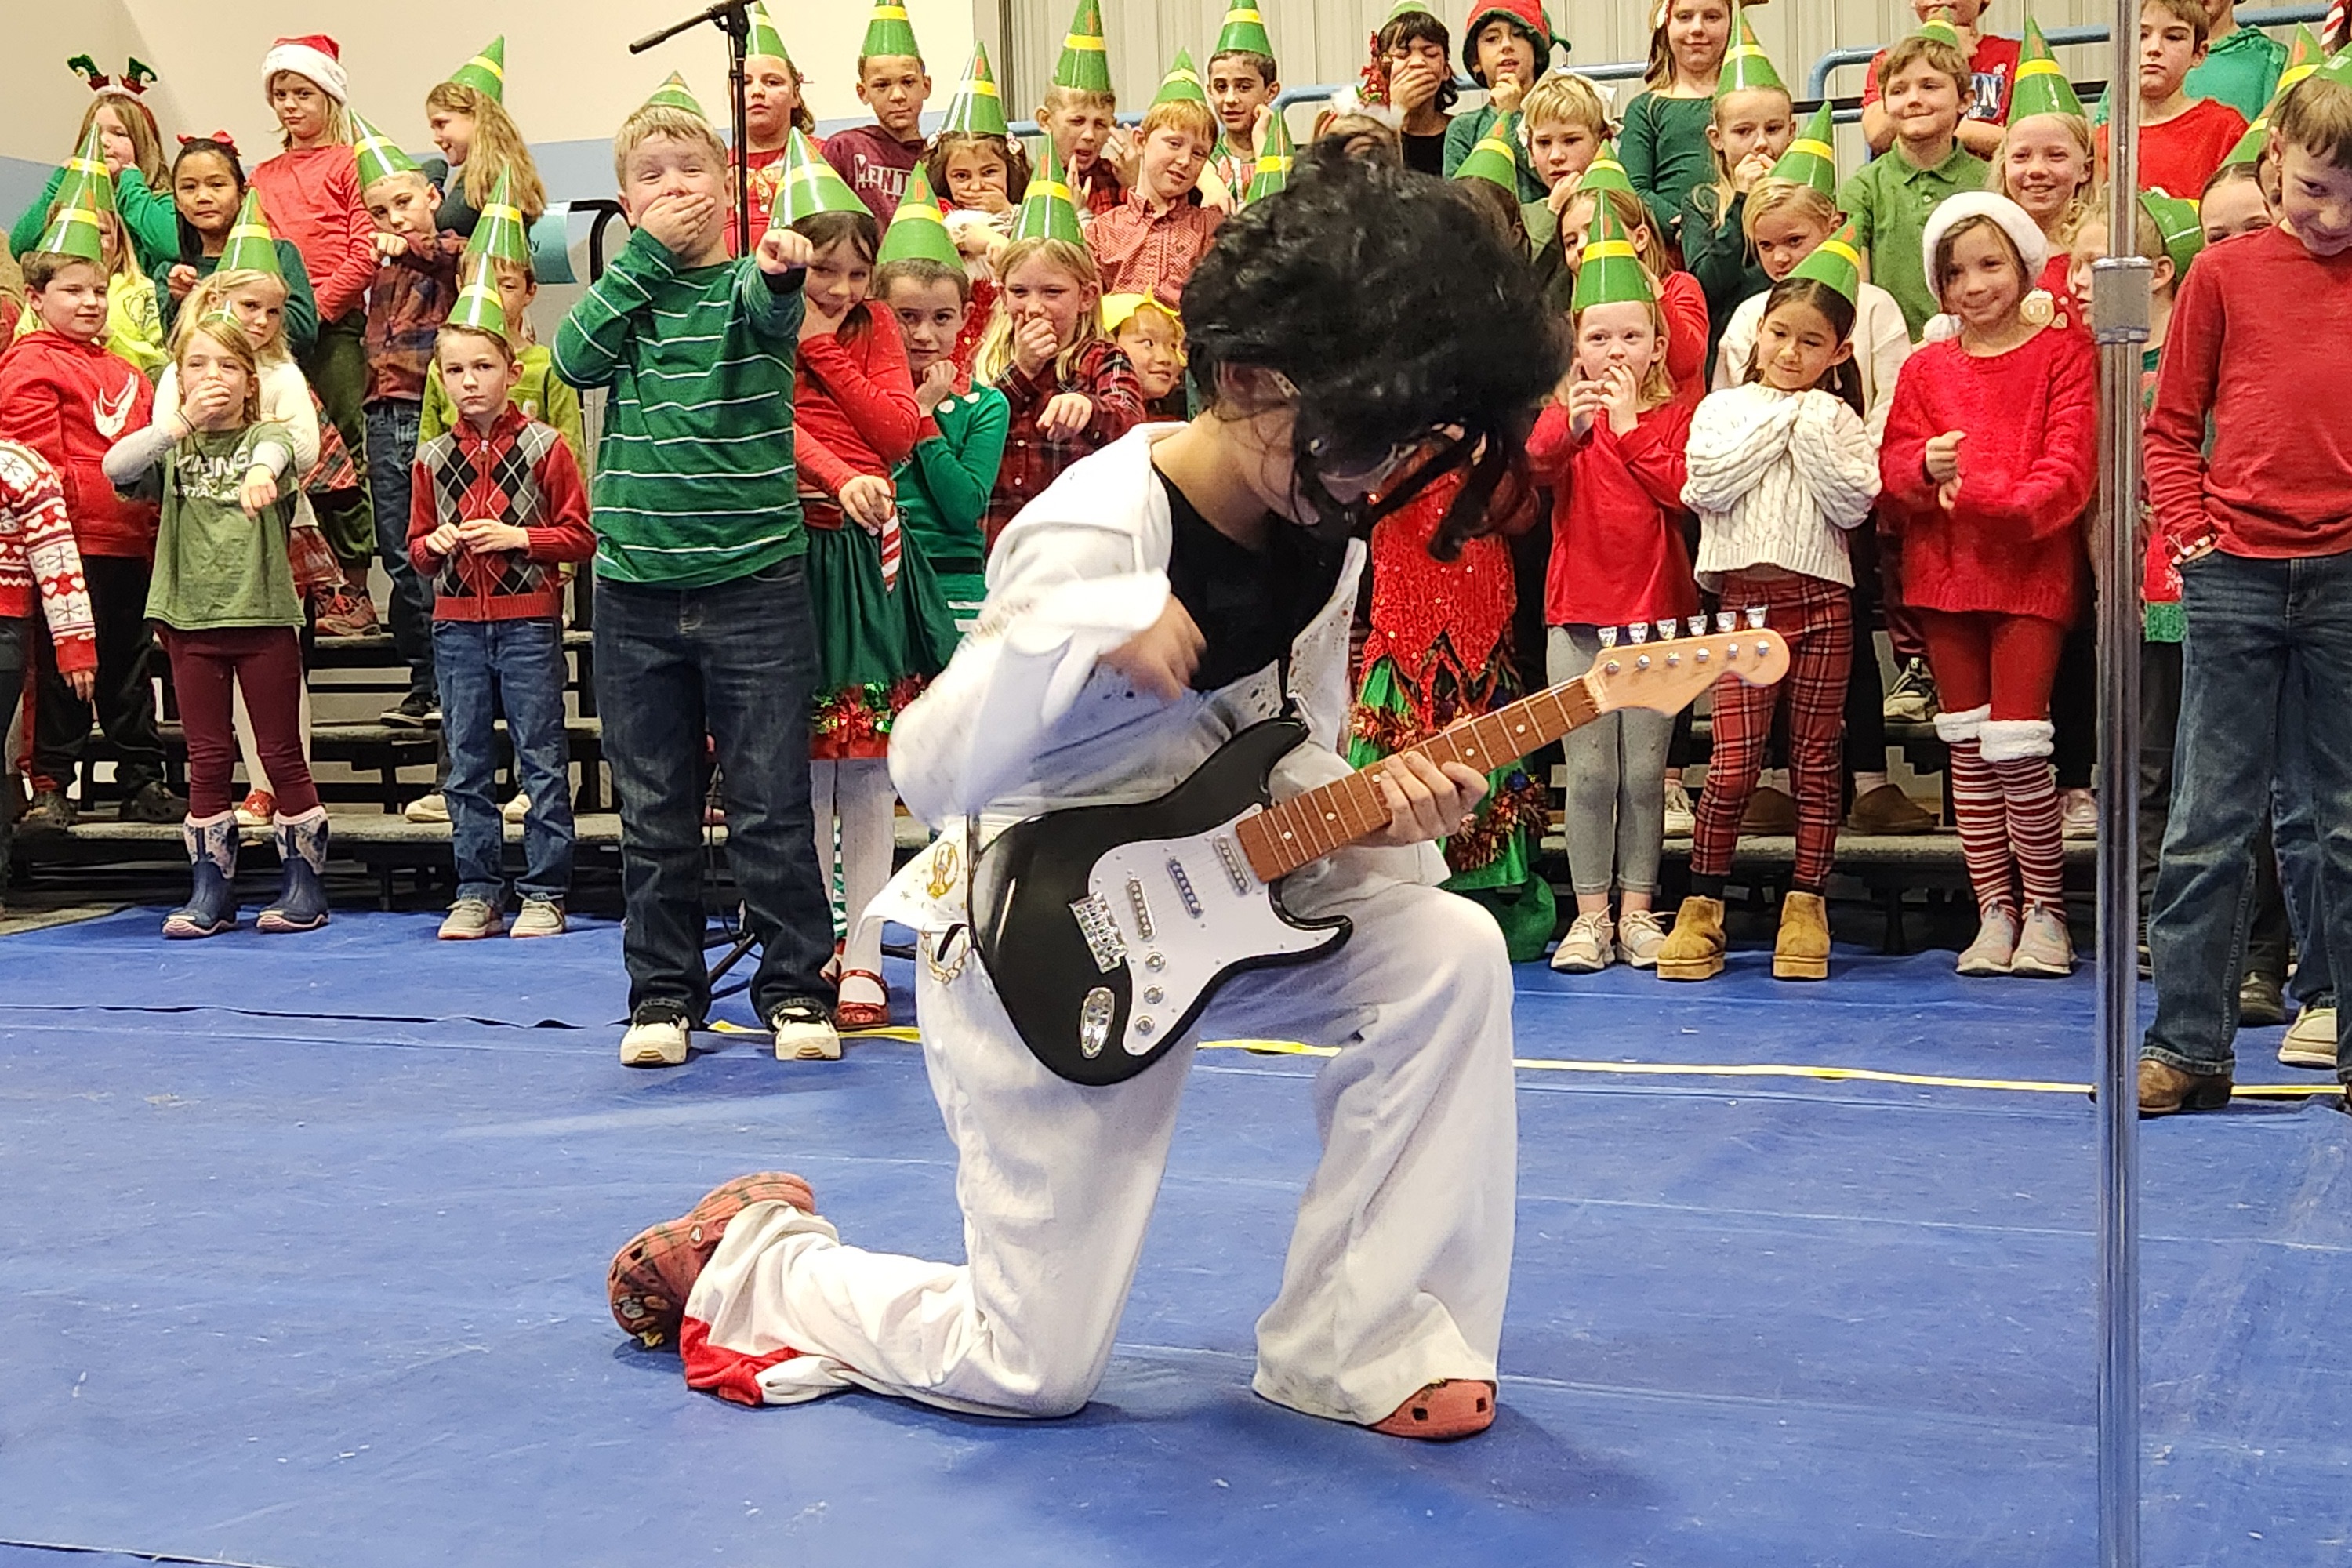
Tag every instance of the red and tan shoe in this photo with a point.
(1457, 1407)
(654, 1274)
(863, 1014)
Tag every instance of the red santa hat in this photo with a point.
(313, 54)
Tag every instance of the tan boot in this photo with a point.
(1695, 950)
(1802, 951)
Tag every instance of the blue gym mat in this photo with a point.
(306, 1241)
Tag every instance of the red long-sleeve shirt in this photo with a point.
(1617, 551)
(311, 197)
(1682, 299)
(2178, 156)
(2255, 342)
(518, 471)
(853, 404)
(2012, 541)
(69, 401)
(1031, 461)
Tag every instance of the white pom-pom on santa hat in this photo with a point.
(315, 56)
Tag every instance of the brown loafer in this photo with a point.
(2165, 1089)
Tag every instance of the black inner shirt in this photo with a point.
(1250, 604)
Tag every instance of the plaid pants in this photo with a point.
(1816, 619)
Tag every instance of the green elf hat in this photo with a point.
(2248, 148)
(500, 234)
(1047, 212)
(2336, 67)
(1605, 173)
(887, 32)
(251, 246)
(86, 175)
(2304, 54)
(1273, 160)
(486, 73)
(978, 107)
(672, 94)
(1181, 84)
(1943, 28)
(1244, 31)
(74, 229)
(378, 155)
(765, 42)
(1494, 158)
(478, 306)
(809, 186)
(1404, 8)
(1610, 273)
(1746, 67)
(1084, 65)
(2041, 87)
(2177, 222)
(1836, 261)
(917, 232)
(1812, 158)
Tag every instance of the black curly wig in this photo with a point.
(1402, 319)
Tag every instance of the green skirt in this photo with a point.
(876, 646)
(964, 592)
(1493, 860)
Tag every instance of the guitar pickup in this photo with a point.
(1100, 929)
(1177, 874)
(1230, 856)
(1142, 910)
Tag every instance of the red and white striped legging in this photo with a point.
(1996, 670)
(1816, 619)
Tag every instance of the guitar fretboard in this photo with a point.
(1306, 828)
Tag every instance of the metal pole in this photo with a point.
(2119, 317)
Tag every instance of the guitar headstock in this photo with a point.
(1657, 668)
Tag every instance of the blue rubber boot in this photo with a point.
(211, 908)
(302, 903)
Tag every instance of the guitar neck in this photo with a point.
(1307, 826)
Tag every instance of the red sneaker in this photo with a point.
(1457, 1407)
(654, 1274)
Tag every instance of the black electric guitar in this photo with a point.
(1107, 929)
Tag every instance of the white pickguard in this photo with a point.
(1175, 945)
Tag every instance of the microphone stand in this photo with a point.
(733, 17)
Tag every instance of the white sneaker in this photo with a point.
(517, 809)
(1639, 937)
(540, 917)
(1680, 821)
(2078, 815)
(657, 1036)
(2310, 1040)
(804, 1033)
(1588, 947)
(2046, 950)
(470, 919)
(428, 808)
(1995, 945)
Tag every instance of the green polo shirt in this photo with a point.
(1889, 199)
(2243, 70)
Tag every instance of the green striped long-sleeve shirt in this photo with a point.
(695, 483)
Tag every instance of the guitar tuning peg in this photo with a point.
(1724, 620)
(1609, 638)
(1696, 625)
(1755, 618)
(1666, 629)
(1639, 632)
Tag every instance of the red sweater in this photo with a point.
(1617, 551)
(518, 471)
(2254, 342)
(2178, 156)
(69, 401)
(1682, 299)
(876, 164)
(311, 197)
(38, 561)
(2012, 543)
(854, 405)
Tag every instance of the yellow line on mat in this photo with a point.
(1686, 1069)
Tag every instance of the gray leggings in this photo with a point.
(1616, 780)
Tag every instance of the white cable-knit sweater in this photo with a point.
(1777, 479)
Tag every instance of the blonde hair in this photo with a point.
(1772, 196)
(2086, 194)
(338, 116)
(1561, 96)
(1947, 60)
(1659, 74)
(660, 120)
(1633, 217)
(139, 124)
(224, 330)
(994, 355)
(1657, 387)
(1724, 190)
(211, 295)
(1059, 98)
(497, 149)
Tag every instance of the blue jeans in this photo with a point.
(736, 661)
(517, 667)
(2294, 831)
(2268, 658)
(392, 430)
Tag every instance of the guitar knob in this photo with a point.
(1143, 1025)
(1151, 993)
(1643, 662)
(1610, 667)
(1154, 962)
(1700, 657)
(1674, 660)
(1763, 650)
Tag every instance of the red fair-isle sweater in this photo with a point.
(311, 197)
(518, 471)
(2257, 335)
(853, 404)
(1617, 551)
(69, 401)
(2012, 543)
(38, 558)
(1032, 461)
